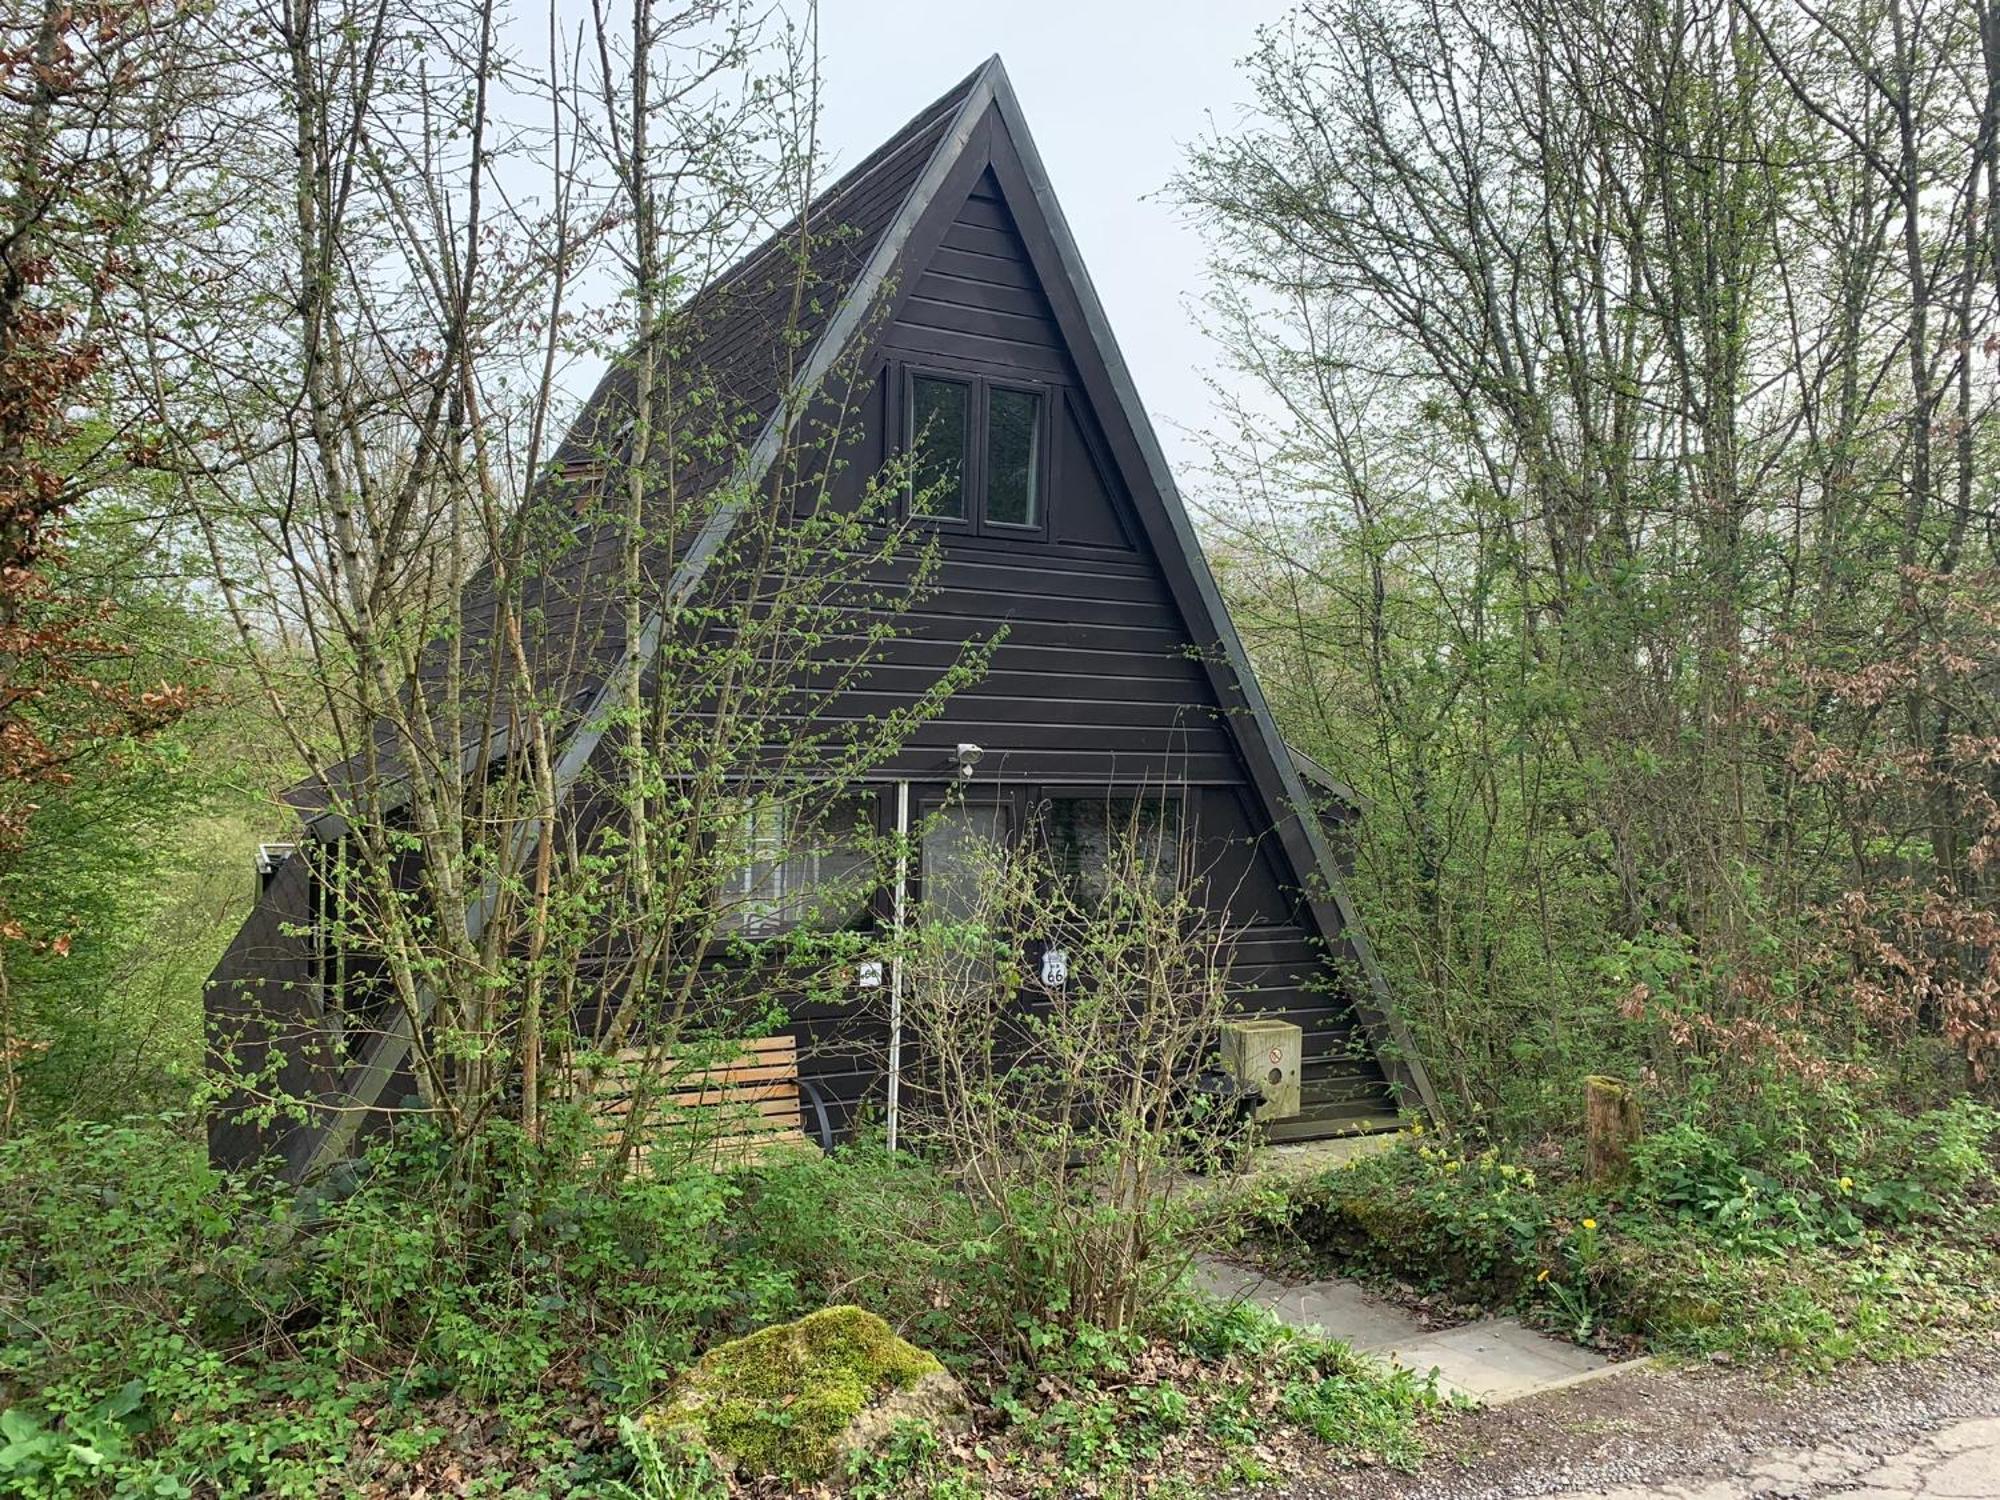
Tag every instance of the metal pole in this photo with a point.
(896, 956)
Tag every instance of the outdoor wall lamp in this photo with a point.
(968, 757)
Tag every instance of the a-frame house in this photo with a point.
(962, 300)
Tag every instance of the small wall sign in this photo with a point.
(869, 974)
(1055, 968)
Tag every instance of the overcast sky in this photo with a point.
(1113, 91)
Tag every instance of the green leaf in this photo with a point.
(124, 1402)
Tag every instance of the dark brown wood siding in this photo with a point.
(1096, 680)
(264, 1023)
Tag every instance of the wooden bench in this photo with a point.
(734, 1110)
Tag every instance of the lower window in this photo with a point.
(790, 867)
(1087, 833)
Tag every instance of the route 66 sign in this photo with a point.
(1055, 968)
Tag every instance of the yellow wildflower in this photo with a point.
(1543, 1274)
(1847, 1184)
(1590, 1223)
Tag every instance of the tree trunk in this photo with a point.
(1610, 1129)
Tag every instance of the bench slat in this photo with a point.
(761, 1047)
(623, 1082)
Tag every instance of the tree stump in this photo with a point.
(1610, 1128)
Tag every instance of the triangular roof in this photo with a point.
(977, 127)
(892, 209)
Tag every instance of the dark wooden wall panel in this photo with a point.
(263, 1022)
(1096, 679)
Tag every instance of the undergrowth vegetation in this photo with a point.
(169, 1330)
(1828, 1230)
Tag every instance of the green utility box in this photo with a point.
(1265, 1055)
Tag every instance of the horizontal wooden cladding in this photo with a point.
(1001, 565)
(1325, 1031)
(1054, 552)
(1018, 298)
(1035, 649)
(1276, 943)
(1147, 728)
(1057, 732)
(984, 270)
(847, 1072)
(1335, 1093)
(999, 605)
(1083, 766)
(997, 240)
(1294, 986)
(1133, 679)
(843, 1051)
(985, 210)
(892, 604)
(1117, 660)
(918, 627)
(956, 345)
(1300, 984)
(1053, 599)
(1028, 572)
(1268, 964)
(1080, 710)
(958, 315)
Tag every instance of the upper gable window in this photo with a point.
(940, 438)
(978, 452)
(1013, 457)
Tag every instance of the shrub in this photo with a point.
(1735, 1192)
(487, 1298)
(1470, 1225)
(1060, 1105)
(861, 1225)
(234, 1344)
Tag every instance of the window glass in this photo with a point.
(1087, 833)
(960, 844)
(938, 413)
(1013, 452)
(784, 871)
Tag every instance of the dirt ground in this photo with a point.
(1930, 1428)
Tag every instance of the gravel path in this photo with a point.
(1929, 1430)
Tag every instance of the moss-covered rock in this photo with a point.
(796, 1398)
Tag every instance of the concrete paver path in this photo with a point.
(1959, 1461)
(1491, 1361)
